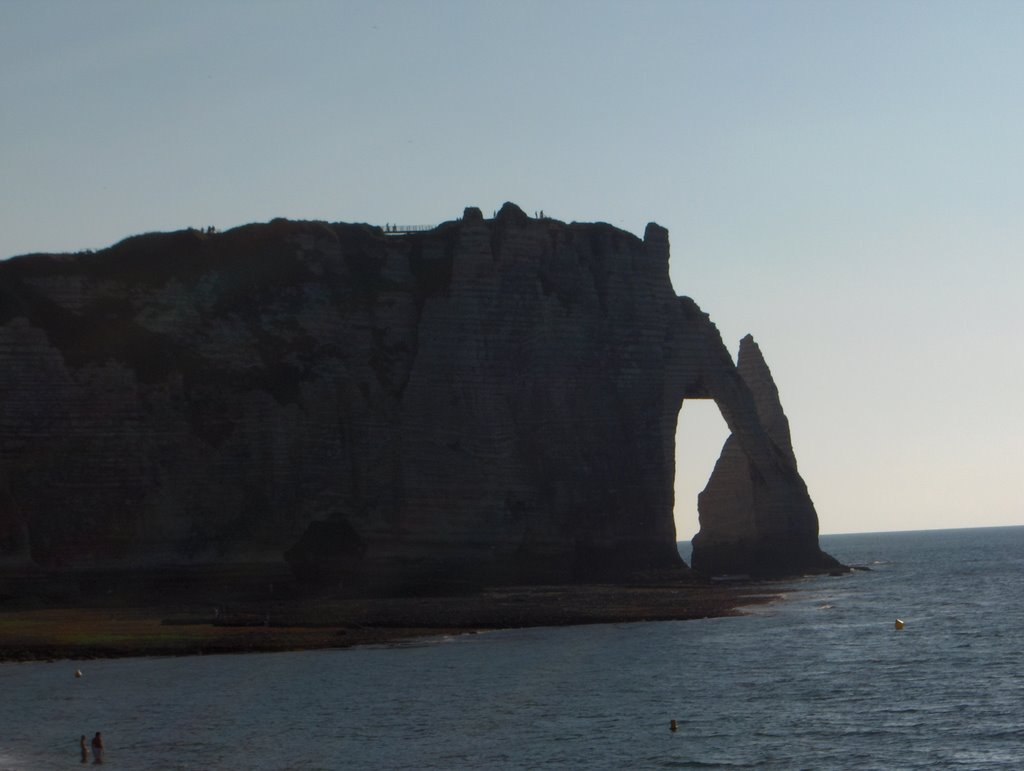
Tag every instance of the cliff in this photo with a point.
(488, 401)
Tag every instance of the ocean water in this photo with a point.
(818, 680)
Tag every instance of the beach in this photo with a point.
(100, 628)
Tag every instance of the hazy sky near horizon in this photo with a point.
(844, 180)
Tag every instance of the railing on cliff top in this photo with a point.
(395, 230)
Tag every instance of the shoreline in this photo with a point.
(97, 630)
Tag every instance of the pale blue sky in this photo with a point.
(845, 180)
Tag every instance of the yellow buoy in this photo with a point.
(899, 623)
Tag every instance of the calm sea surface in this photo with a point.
(819, 680)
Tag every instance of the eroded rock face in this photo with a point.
(492, 400)
(755, 514)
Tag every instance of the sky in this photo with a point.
(843, 180)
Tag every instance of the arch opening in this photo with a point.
(701, 432)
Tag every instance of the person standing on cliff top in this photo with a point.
(97, 749)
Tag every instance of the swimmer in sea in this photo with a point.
(97, 749)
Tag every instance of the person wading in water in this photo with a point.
(97, 749)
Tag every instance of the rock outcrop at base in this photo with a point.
(488, 401)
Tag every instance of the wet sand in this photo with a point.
(101, 630)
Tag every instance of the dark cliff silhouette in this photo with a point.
(487, 401)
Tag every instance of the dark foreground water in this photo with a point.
(820, 680)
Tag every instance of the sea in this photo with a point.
(818, 679)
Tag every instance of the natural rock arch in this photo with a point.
(490, 400)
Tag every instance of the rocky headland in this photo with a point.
(490, 402)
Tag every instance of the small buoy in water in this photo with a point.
(899, 623)
(78, 673)
(672, 726)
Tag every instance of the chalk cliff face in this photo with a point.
(490, 400)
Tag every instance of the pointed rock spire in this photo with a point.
(758, 377)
